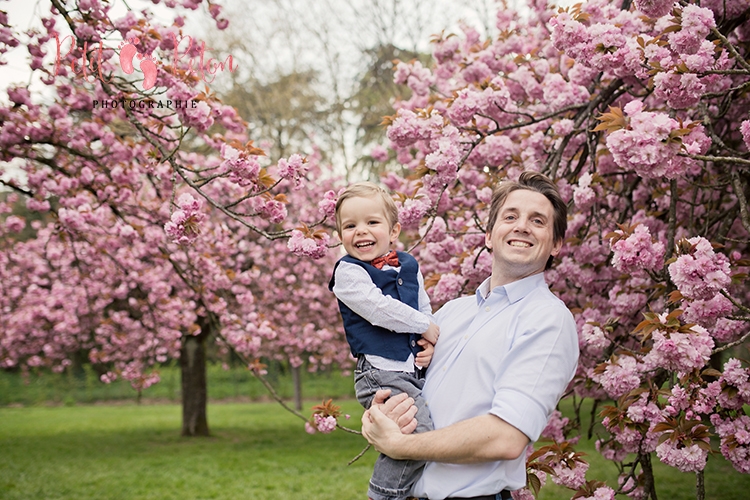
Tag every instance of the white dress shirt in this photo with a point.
(510, 352)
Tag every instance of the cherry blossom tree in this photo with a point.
(161, 221)
(640, 113)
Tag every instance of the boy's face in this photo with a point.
(365, 230)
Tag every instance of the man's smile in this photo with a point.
(520, 244)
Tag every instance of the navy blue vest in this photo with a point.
(366, 338)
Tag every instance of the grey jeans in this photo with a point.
(392, 479)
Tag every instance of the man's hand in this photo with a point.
(382, 432)
(432, 333)
(424, 357)
(400, 409)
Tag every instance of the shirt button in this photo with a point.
(487, 308)
(413, 343)
(400, 281)
(466, 336)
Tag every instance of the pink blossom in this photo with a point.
(681, 91)
(464, 106)
(611, 450)
(637, 252)
(745, 129)
(644, 410)
(315, 248)
(326, 425)
(706, 312)
(583, 195)
(379, 153)
(411, 212)
(601, 493)
(592, 339)
(620, 376)
(569, 36)
(293, 169)
(15, 224)
(654, 8)
(736, 377)
(570, 477)
(697, 23)
(449, 287)
(607, 40)
(446, 155)
(198, 116)
(310, 428)
(555, 426)
(701, 273)
(645, 146)
(243, 169)
(681, 352)
(184, 225)
(686, 458)
(327, 206)
(735, 440)
(406, 129)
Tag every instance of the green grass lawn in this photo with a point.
(257, 451)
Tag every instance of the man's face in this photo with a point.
(522, 238)
(365, 230)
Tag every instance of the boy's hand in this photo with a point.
(432, 333)
(425, 355)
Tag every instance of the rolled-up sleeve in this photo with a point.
(541, 361)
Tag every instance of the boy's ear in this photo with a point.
(395, 231)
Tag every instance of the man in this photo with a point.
(504, 359)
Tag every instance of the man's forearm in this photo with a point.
(486, 438)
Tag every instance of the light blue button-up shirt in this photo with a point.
(511, 353)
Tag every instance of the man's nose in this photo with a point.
(521, 225)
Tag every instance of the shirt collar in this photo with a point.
(515, 290)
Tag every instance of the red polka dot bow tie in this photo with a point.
(391, 259)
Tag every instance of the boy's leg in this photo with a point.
(393, 479)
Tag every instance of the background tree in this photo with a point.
(126, 190)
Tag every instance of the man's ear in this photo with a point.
(488, 241)
(556, 246)
(395, 231)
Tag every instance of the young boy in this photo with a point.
(384, 307)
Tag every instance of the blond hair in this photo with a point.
(368, 190)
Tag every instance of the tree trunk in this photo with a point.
(700, 487)
(649, 485)
(194, 388)
(297, 380)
